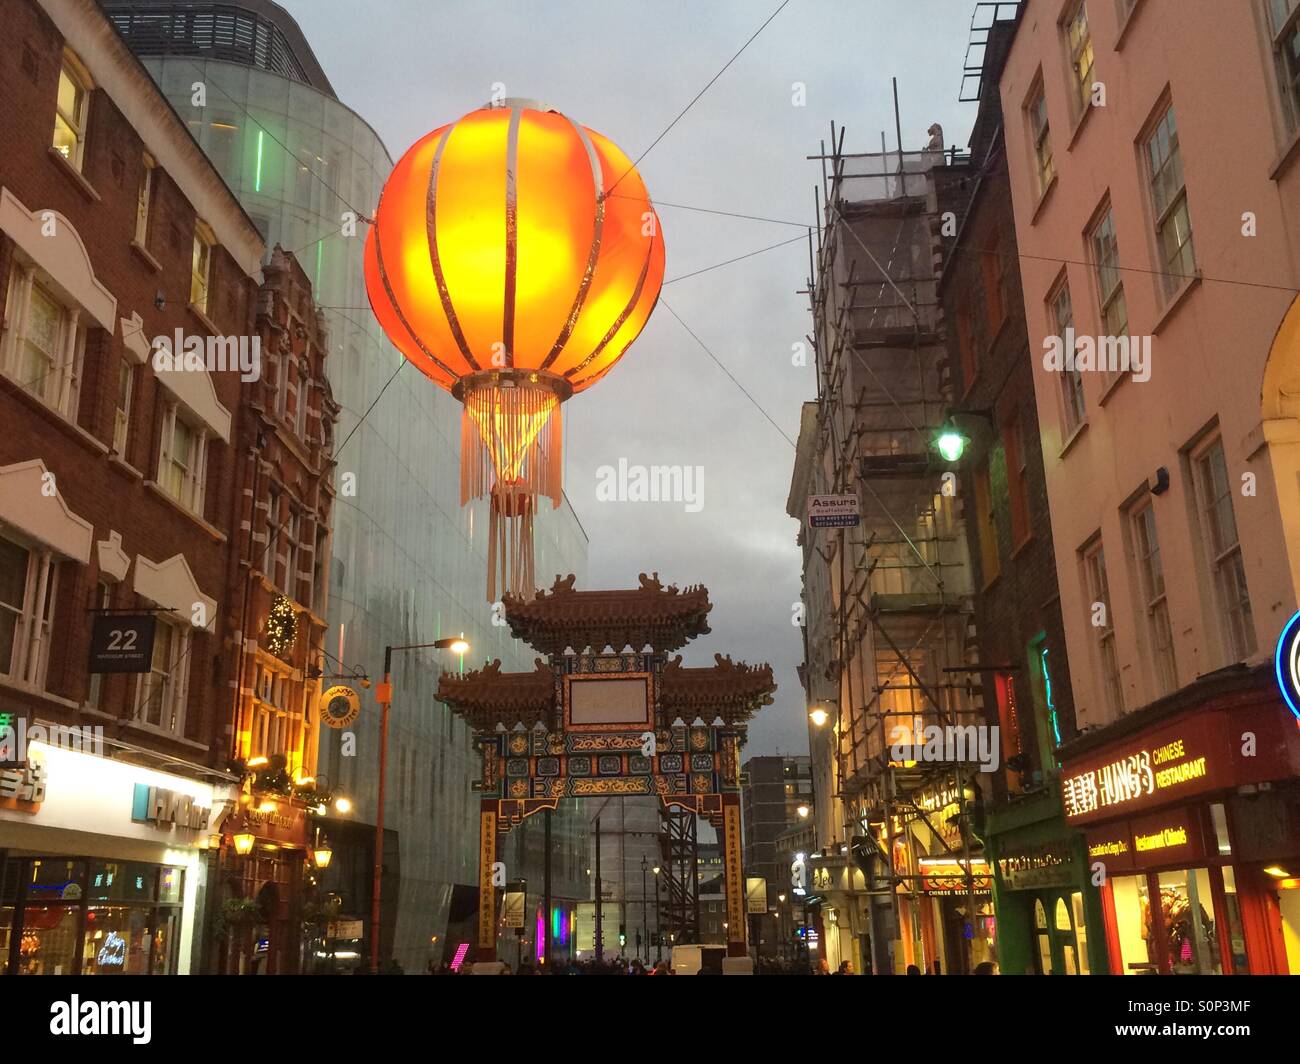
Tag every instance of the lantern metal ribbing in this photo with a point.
(514, 257)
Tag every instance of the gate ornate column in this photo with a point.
(486, 950)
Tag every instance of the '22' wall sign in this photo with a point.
(1286, 663)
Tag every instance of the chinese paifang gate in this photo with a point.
(609, 712)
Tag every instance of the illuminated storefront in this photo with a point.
(1049, 915)
(945, 903)
(1192, 824)
(100, 865)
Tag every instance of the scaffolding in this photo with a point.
(899, 583)
(680, 858)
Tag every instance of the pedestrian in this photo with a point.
(912, 969)
(985, 968)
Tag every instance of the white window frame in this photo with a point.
(1060, 309)
(1155, 601)
(193, 484)
(1180, 265)
(201, 267)
(1078, 43)
(1097, 589)
(59, 388)
(144, 197)
(1103, 245)
(122, 409)
(30, 653)
(170, 676)
(1225, 560)
(75, 121)
(1284, 26)
(1041, 135)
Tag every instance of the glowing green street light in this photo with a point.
(951, 444)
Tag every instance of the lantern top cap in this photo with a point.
(521, 102)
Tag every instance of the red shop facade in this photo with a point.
(1190, 811)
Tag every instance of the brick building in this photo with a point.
(1022, 666)
(124, 496)
(278, 588)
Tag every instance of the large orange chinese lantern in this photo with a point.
(514, 257)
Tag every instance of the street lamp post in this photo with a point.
(659, 931)
(384, 696)
(645, 914)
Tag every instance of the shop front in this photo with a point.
(946, 921)
(839, 915)
(1049, 916)
(267, 906)
(1192, 826)
(100, 865)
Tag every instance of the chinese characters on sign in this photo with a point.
(23, 787)
(1131, 778)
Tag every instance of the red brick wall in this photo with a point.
(98, 488)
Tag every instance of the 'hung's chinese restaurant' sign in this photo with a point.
(1160, 765)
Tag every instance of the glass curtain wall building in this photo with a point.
(408, 563)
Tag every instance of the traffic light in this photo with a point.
(622, 935)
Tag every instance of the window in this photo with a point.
(1013, 445)
(143, 198)
(1214, 497)
(70, 109)
(1105, 256)
(318, 570)
(1169, 203)
(1061, 311)
(95, 689)
(160, 693)
(272, 533)
(122, 413)
(1079, 39)
(986, 522)
(282, 386)
(274, 730)
(1284, 25)
(182, 461)
(302, 401)
(1102, 623)
(1146, 552)
(27, 591)
(289, 583)
(201, 267)
(1044, 162)
(43, 345)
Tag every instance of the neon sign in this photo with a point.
(113, 952)
(1286, 665)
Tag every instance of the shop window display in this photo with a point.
(62, 916)
(1187, 907)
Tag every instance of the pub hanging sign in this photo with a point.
(339, 707)
(122, 642)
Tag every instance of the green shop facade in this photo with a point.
(1049, 915)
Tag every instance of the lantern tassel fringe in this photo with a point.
(512, 451)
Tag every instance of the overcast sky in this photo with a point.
(626, 69)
